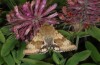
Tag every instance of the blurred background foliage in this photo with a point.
(11, 50)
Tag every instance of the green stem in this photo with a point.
(77, 41)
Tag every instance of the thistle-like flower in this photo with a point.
(28, 18)
(84, 11)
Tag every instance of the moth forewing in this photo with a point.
(30, 49)
(64, 44)
(67, 46)
(33, 47)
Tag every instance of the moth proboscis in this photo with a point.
(48, 38)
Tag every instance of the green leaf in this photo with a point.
(34, 62)
(14, 54)
(95, 55)
(1, 20)
(6, 30)
(8, 46)
(65, 33)
(76, 58)
(94, 32)
(60, 56)
(25, 64)
(2, 38)
(62, 62)
(1, 59)
(20, 54)
(37, 56)
(5, 64)
(88, 64)
(60, 3)
(10, 3)
(22, 1)
(81, 34)
(9, 60)
(56, 58)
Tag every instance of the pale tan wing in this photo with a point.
(33, 47)
(65, 45)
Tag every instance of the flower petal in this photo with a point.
(49, 10)
(53, 21)
(22, 33)
(8, 18)
(53, 15)
(27, 9)
(42, 6)
(28, 30)
(17, 27)
(61, 16)
(37, 6)
(72, 2)
(17, 12)
(64, 10)
(32, 4)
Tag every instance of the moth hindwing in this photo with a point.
(49, 39)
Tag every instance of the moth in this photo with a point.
(48, 38)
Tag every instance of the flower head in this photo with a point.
(28, 18)
(84, 11)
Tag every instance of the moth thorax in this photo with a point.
(49, 41)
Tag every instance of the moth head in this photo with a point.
(48, 40)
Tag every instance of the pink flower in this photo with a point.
(81, 11)
(86, 10)
(28, 18)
